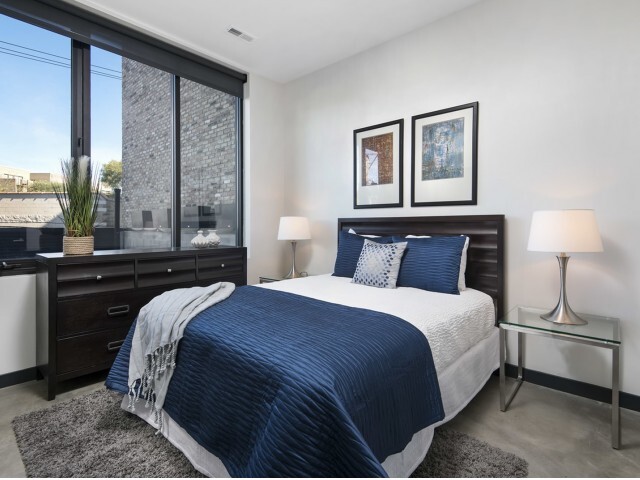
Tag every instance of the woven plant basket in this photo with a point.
(77, 245)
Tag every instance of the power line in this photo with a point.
(106, 75)
(31, 57)
(105, 68)
(28, 56)
(33, 49)
(49, 61)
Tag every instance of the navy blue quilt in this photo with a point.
(281, 385)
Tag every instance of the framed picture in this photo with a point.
(377, 165)
(444, 166)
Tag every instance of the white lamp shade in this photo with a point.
(294, 228)
(564, 231)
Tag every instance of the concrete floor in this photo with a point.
(560, 435)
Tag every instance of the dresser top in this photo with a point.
(134, 252)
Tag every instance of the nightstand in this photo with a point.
(277, 278)
(603, 332)
(270, 279)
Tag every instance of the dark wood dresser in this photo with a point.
(86, 304)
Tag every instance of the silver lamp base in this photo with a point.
(563, 313)
(293, 273)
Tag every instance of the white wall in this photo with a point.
(17, 323)
(264, 176)
(557, 84)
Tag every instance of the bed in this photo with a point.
(462, 339)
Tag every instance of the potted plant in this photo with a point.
(78, 196)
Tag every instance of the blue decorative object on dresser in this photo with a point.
(276, 384)
(431, 263)
(349, 248)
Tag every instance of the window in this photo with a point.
(146, 156)
(208, 152)
(131, 118)
(34, 136)
(170, 144)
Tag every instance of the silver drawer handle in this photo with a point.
(119, 310)
(168, 270)
(99, 277)
(114, 346)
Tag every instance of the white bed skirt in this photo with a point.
(459, 383)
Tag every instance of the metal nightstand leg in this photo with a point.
(504, 401)
(615, 398)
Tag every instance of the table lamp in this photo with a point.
(564, 231)
(293, 229)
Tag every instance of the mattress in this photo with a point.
(461, 333)
(451, 323)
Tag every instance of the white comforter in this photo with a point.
(451, 323)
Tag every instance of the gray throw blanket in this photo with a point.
(159, 328)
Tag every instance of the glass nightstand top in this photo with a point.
(277, 278)
(271, 278)
(604, 329)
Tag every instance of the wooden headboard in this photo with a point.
(485, 257)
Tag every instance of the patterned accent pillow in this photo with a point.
(379, 264)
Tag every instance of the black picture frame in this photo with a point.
(377, 179)
(438, 181)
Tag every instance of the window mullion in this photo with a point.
(80, 99)
(239, 174)
(176, 203)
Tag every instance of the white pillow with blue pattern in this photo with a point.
(379, 264)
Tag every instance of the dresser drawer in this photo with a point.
(100, 312)
(220, 267)
(90, 351)
(90, 278)
(166, 271)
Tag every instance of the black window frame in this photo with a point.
(87, 29)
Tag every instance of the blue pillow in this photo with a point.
(431, 263)
(349, 248)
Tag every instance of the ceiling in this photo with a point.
(292, 37)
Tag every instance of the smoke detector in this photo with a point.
(240, 34)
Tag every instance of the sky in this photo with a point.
(35, 104)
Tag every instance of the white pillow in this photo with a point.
(463, 266)
(463, 260)
(351, 230)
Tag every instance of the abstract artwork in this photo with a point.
(377, 159)
(444, 157)
(377, 165)
(443, 150)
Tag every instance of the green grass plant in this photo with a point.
(78, 196)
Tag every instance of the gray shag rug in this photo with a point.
(91, 436)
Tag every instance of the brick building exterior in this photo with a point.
(207, 146)
(146, 143)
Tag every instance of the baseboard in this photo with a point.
(20, 376)
(582, 389)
